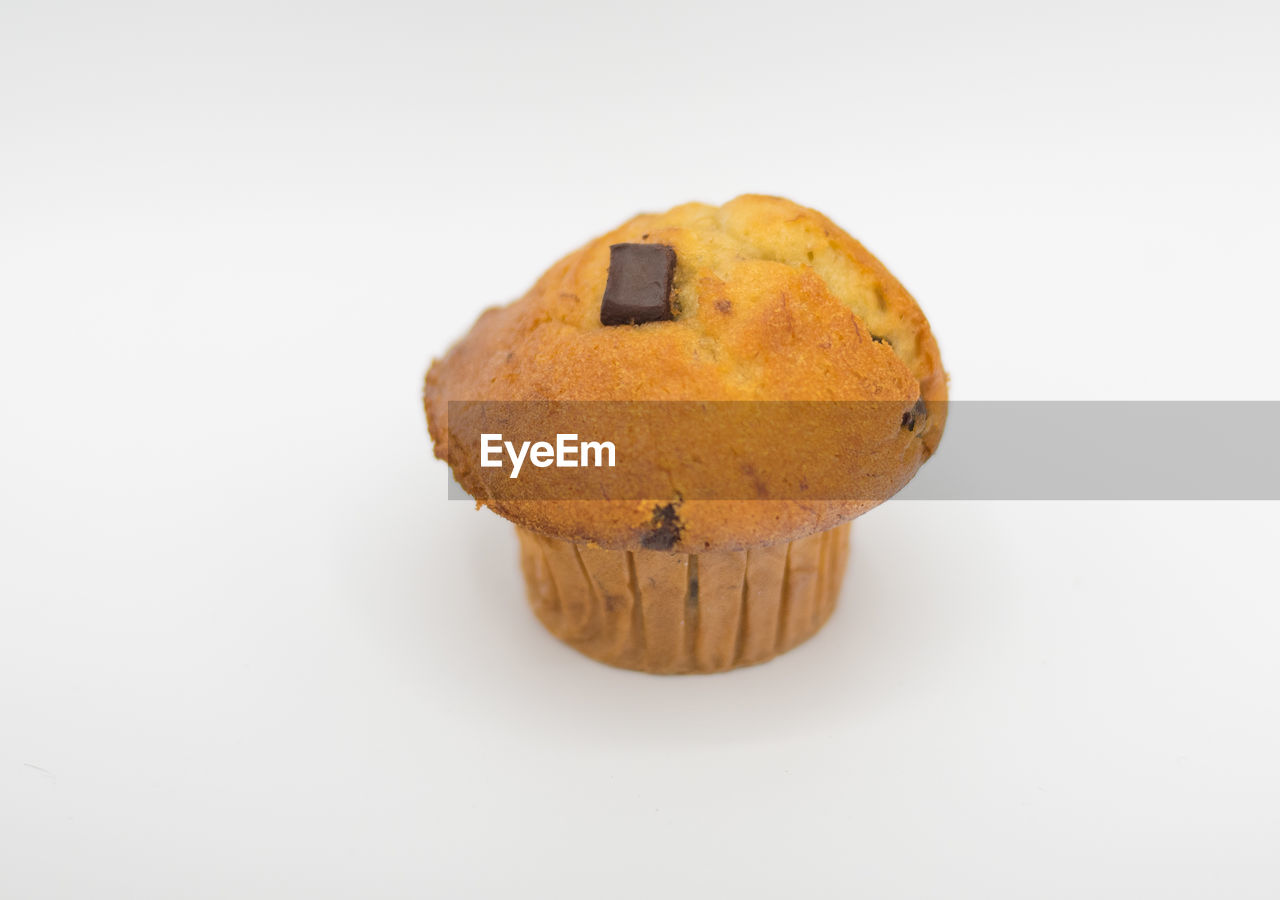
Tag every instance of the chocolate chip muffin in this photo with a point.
(720, 545)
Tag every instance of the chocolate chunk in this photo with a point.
(639, 285)
(666, 529)
(914, 414)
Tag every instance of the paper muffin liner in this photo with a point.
(671, 613)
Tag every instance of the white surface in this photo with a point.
(248, 649)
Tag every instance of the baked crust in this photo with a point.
(774, 302)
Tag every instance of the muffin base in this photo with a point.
(677, 613)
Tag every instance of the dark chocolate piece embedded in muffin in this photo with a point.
(638, 288)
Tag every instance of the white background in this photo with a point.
(248, 649)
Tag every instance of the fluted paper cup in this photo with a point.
(674, 613)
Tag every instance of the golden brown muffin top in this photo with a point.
(772, 301)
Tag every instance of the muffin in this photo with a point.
(696, 336)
